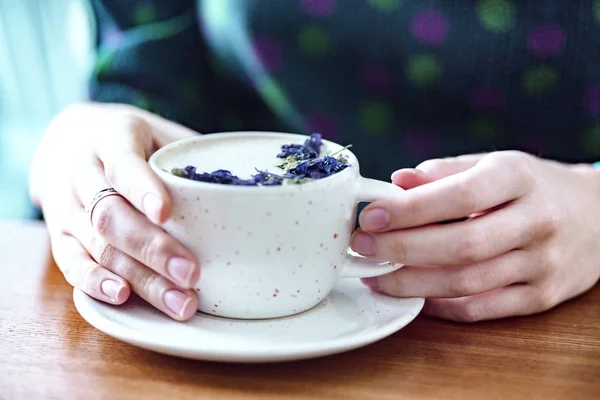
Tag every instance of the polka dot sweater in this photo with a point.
(402, 81)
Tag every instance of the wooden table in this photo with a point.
(48, 351)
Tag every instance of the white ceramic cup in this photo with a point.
(266, 251)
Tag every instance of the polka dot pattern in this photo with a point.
(539, 80)
(376, 117)
(489, 74)
(591, 141)
(318, 8)
(385, 5)
(424, 69)
(314, 41)
(546, 40)
(496, 15)
(592, 101)
(144, 13)
(429, 27)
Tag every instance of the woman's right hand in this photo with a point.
(120, 247)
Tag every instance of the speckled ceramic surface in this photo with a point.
(350, 317)
(265, 252)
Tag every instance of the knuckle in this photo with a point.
(548, 222)
(148, 283)
(463, 282)
(136, 125)
(91, 277)
(550, 260)
(414, 207)
(470, 312)
(397, 251)
(111, 172)
(519, 163)
(154, 248)
(544, 297)
(431, 165)
(467, 194)
(103, 216)
(104, 253)
(471, 248)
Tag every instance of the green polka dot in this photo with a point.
(385, 5)
(540, 80)
(375, 117)
(314, 40)
(597, 10)
(591, 141)
(496, 15)
(144, 13)
(484, 129)
(424, 69)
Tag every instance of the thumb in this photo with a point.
(433, 170)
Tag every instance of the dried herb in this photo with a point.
(301, 163)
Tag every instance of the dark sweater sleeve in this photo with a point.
(151, 54)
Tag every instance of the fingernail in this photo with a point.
(363, 244)
(412, 170)
(178, 302)
(372, 282)
(152, 205)
(376, 218)
(181, 270)
(112, 289)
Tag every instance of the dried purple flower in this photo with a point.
(301, 164)
(309, 150)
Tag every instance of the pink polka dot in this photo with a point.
(421, 142)
(323, 124)
(318, 8)
(592, 101)
(429, 27)
(487, 100)
(269, 53)
(376, 78)
(546, 40)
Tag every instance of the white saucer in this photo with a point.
(350, 317)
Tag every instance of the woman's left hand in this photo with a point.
(530, 240)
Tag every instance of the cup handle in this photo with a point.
(359, 266)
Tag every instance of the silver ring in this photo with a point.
(99, 196)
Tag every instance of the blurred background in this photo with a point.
(46, 51)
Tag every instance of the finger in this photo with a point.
(82, 272)
(161, 293)
(164, 130)
(129, 231)
(410, 178)
(456, 280)
(123, 152)
(495, 180)
(459, 243)
(433, 170)
(510, 301)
